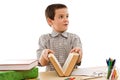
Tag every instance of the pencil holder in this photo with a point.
(113, 75)
(112, 71)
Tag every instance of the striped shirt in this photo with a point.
(60, 43)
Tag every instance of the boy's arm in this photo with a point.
(42, 51)
(79, 51)
(43, 60)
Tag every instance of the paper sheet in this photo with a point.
(93, 72)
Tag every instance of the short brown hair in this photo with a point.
(50, 10)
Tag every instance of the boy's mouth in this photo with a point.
(66, 24)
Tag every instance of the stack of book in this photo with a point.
(13, 69)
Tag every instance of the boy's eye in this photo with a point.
(61, 17)
(67, 16)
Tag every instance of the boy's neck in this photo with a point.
(58, 32)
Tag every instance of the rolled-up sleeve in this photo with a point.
(41, 44)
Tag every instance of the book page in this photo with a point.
(67, 62)
(70, 63)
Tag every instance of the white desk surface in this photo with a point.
(52, 75)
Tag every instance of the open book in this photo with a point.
(68, 65)
(18, 64)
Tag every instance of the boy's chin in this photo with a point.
(63, 31)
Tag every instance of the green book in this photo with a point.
(19, 74)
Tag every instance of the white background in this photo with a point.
(97, 23)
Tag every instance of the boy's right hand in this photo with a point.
(45, 53)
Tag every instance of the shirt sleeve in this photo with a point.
(77, 43)
(41, 44)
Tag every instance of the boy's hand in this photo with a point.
(77, 50)
(45, 53)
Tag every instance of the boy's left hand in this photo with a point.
(79, 51)
(76, 50)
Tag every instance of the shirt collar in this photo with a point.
(54, 34)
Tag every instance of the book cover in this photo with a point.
(20, 74)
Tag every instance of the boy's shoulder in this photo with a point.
(47, 35)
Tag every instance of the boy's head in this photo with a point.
(57, 17)
(50, 10)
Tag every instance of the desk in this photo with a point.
(52, 75)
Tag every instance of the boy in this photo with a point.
(59, 42)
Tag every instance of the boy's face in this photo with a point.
(60, 22)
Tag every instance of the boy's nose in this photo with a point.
(66, 19)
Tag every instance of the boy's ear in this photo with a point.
(49, 21)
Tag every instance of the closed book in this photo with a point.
(18, 64)
(19, 74)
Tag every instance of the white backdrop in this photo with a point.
(97, 23)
